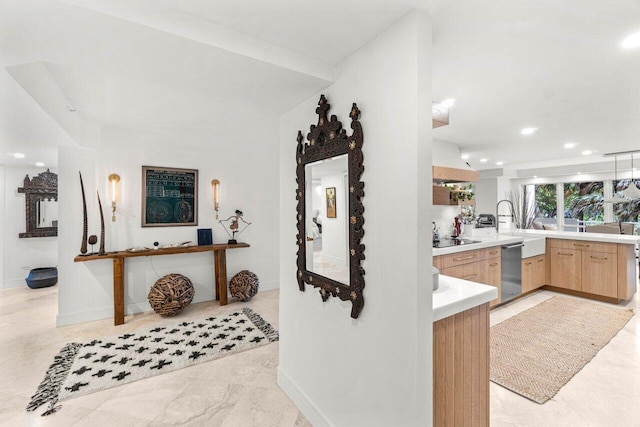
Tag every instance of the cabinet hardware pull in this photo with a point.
(541, 260)
(493, 264)
(603, 258)
(464, 258)
(493, 252)
(562, 253)
(469, 277)
(581, 245)
(527, 263)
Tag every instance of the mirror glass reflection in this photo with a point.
(46, 213)
(327, 225)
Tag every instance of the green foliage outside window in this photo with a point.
(546, 200)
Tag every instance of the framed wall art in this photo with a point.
(331, 202)
(169, 197)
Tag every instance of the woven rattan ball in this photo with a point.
(244, 285)
(170, 294)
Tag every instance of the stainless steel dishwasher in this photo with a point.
(511, 271)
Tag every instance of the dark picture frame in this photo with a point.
(327, 140)
(169, 197)
(331, 202)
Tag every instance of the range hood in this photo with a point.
(448, 167)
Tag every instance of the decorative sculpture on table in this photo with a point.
(93, 239)
(85, 222)
(234, 226)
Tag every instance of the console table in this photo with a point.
(219, 264)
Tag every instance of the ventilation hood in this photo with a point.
(448, 167)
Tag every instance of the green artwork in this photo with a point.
(170, 196)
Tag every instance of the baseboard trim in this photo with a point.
(302, 401)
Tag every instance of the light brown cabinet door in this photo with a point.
(566, 268)
(528, 275)
(600, 273)
(467, 272)
(540, 271)
(533, 273)
(487, 272)
(491, 274)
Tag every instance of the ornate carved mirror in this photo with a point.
(41, 205)
(330, 211)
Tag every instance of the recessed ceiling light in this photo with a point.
(448, 103)
(579, 173)
(587, 152)
(18, 155)
(464, 156)
(535, 176)
(528, 131)
(569, 145)
(631, 41)
(483, 160)
(39, 164)
(499, 163)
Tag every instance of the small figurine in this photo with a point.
(235, 226)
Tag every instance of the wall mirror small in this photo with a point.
(330, 212)
(41, 205)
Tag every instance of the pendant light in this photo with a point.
(617, 198)
(632, 191)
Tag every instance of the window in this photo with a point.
(546, 201)
(583, 201)
(626, 212)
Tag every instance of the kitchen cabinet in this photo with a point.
(603, 270)
(533, 273)
(599, 273)
(480, 266)
(461, 369)
(566, 268)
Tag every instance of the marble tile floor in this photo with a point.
(235, 391)
(241, 390)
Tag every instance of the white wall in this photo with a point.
(248, 177)
(334, 240)
(375, 370)
(447, 154)
(19, 255)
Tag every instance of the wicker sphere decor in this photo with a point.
(170, 294)
(244, 285)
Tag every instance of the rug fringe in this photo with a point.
(261, 324)
(49, 388)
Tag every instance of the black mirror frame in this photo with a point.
(328, 139)
(44, 186)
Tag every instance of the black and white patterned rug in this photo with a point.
(83, 368)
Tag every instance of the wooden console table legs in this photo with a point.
(219, 261)
(220, 271)
(118, 291)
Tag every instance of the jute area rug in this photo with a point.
(83, 368)
(538, 351)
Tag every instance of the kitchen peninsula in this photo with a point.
(593, 265)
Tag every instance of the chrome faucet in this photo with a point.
(513, 216)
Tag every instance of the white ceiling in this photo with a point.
(180, 64)
(555, 65)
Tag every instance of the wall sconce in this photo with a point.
(215, 187)
(114, 180)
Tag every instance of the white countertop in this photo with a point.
(573, 235)
(457, 295)
(484, 242)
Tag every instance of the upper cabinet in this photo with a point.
(444, 174)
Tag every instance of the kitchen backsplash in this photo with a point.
(443, 216)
